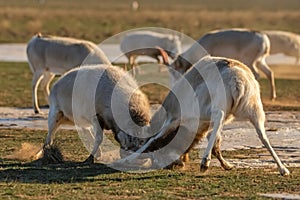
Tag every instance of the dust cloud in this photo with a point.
(26, 152)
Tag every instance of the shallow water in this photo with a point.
(282, 196)
(17, 53)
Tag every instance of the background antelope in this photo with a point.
(52, 55)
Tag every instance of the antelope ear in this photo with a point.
(164, 55)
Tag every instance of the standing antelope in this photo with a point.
(249, 47)
(51, 55)
(145, 43)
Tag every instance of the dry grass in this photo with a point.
(286, 71)
(97, 21)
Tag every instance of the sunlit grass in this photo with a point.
(16, 78)
(96, 21)
(74, 181)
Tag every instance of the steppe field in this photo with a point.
(96, 20)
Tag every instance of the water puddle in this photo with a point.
(17, 53)
(282, 196)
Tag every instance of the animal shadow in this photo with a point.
(66, 172)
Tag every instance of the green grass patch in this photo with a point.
(16, 87)
(288, 94)
(15, 84)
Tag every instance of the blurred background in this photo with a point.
(97, 20)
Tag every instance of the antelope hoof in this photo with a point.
(89, 160)
(203, 168)
(38, 155)
(176, 164)
(205, 164)
(228, 166)
(284, 172)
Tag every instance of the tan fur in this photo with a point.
(52, 55)
(95, 98)
(145, 43)
(284, 42)
(223, 89)
(249, 47)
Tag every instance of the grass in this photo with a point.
(16, 82)
(27, 180)
(96, 21)
(74, 181)
(20, 94)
